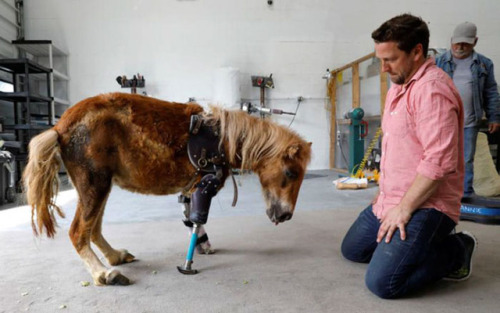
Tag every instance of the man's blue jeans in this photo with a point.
(470, 138)
(428, 254)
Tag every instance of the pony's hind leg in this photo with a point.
(114, 257)
(93, 189)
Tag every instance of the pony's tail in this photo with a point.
(41, 182)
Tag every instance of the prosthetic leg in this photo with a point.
(203, 245)
(199, 208)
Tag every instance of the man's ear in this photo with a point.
(419, 52)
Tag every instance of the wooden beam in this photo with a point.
(333, 119)
(384, 86)
(355, 86)
(345, 67)
(356, 97)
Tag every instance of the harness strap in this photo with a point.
(190, 185)
(202, 239)
(196, 127)
(235, 188)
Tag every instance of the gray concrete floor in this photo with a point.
(258, 267)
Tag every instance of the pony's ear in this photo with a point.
(291, 151)
(309, 144)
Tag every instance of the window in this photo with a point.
(6, 87)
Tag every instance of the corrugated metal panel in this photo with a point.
(9, 28)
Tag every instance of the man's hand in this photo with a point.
(395, 218)
(493, 127)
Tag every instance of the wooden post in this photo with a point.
(383, 90)
(333, 118)
(356, 97)
(355, 86)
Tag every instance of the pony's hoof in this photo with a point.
(114, 277)
(129, 257)
(120, 257)
(204, 248)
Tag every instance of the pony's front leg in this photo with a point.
(203, 245)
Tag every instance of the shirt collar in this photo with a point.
(418, 74)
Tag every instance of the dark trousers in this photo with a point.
(470, 138)
(428, 254)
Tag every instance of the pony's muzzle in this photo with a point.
(279, 214)
(285, 216)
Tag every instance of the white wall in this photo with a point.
(178, 44)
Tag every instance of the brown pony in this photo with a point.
(139, 143)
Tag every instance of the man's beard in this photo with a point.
(399, 79)
(461, 53)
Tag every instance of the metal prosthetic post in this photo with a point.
(186, 268)
(200, 207)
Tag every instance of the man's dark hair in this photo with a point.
(406, 30)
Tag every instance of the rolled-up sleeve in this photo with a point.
(437, 118)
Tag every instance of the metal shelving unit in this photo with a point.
(45, 53)
(27, 104)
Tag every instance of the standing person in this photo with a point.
(474, 78)
(404, 236)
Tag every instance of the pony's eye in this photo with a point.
(290, 174)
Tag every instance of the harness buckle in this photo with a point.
(183, 199)
(202, 161)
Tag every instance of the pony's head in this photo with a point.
(278, 155)
(281, 177)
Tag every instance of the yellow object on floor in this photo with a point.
(375, 175)
(359, 173)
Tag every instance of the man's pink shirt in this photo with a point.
(422, 133)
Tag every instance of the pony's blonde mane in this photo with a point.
(251, 139)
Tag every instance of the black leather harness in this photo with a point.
(206, 153)
(204, 148)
